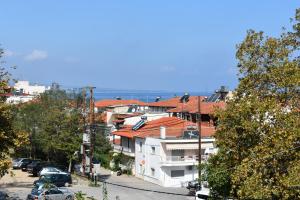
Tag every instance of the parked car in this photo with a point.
(38, 166)
(50, 191)
(202, 194)
(193, 186)
(59, 180)
(24, 166)
(35, 167)
(20, 162)
(50, 170)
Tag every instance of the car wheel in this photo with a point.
(67, 184)
(69, 198)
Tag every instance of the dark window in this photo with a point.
(177, 173)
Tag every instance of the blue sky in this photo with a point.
(172, 45)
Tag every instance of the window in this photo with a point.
(153, 150)
(140, 146)
(177, 173)
(152, 172)
(178, 152)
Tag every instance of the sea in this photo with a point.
(142, 95)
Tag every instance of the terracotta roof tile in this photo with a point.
(174, 128)
(205, 107)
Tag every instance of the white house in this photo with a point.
(25, 92)
(169, 162)
(25, 88)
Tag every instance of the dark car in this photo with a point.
(193, 186)
(25, 165)
(60, 179)
(21, 162)
(33, 167)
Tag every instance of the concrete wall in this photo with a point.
(190, 173)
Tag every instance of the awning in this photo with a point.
(188, 146)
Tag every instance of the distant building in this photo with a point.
(24, 92)
(23, 87)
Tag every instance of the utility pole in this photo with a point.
(199, 129)
(92, 127)
(84, 125)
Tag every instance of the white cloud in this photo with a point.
(36, 55)
(8, 53)
(168, 68)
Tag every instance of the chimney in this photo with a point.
(163, 132)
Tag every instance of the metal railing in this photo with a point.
(181, 158)
(122, 148)
(192, 158)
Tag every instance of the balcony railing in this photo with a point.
(182, 159)
(123, 149)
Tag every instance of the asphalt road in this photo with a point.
(118, 187)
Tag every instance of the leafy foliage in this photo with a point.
(53, 124)
(9, 138)
(259, 132)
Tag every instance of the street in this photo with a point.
(118, 187)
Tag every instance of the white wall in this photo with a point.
(19, 99)
(150, 117)
(189, 175)
(145, 160)
(29, 89)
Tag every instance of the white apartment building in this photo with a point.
(25, 88)
(25, 92)
(169, 162)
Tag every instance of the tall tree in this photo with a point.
(54, 126)
(9, 138)
(259, 132)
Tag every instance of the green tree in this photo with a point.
(53, 123)
(9, 138)
(259, 132)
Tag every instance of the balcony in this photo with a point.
(182, 160)
(125, 150)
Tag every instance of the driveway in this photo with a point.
(118, 187)
(130, 188)
(16, 184)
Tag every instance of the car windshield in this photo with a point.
(17, 159)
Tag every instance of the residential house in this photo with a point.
(135, 141)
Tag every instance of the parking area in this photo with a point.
(18, 184)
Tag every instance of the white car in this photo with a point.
(202, 194)
(50, 192)
(51, 170)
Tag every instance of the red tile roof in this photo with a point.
(174, 128)
(205, 107)
(176, 104)
(113, 102)
(171, 103)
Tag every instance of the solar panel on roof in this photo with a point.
(138, 125)
(216, 97)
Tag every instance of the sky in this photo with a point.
(171, 45)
